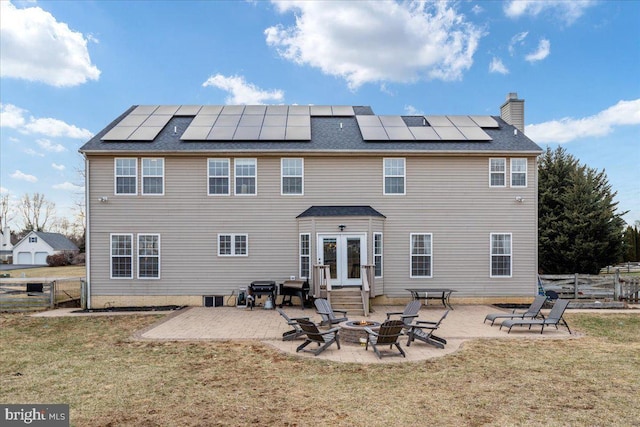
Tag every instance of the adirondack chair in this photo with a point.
(531, 313)
(423, 330)
(324, 339)
(293, 322)
(409, 314)
(329, 314)
(388, 334)
(553, 318)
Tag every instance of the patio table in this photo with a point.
(442, 294)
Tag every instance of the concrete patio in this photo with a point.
(230, 323)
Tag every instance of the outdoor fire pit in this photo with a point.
(353, 330)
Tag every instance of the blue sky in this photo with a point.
(68, 68)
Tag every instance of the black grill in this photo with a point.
(258, 288)
(294, 288)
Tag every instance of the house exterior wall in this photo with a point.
(446, 196)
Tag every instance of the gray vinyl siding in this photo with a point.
(447, 196)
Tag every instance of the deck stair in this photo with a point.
(349, 299)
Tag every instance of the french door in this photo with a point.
(344, 254)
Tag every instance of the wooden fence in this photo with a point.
(614, 287)
(30, 294)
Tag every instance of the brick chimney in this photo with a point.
(512, 111)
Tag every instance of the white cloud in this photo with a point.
(242, 92)
(4, 190)
(34, 46)
(544, 49)
(496, 66)
(412, 111)
(566, 10)
(47, 145)
(14, 117)
(603, 123)
(516, 40)
(364, 42)
(477, 9)
(58, 167)
(19, 175)
(32, 152)
(68, 186)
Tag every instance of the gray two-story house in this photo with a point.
(185, 201)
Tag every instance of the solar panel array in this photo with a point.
(289, 123)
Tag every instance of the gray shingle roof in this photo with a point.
(57, 241)
(340, 211)
(328, 135)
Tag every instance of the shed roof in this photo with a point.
(340, 211)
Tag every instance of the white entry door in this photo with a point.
(344, 254)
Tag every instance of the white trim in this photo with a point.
(381, 255)
(301, 255)
(228, 176)
(115, 176)
(111, 255)
(254, 176)
(143, 176)
(491, 254)
(403, 176)
(140, 256)
(430, 255)
(526, 167)
(233, 244)
(88, 232)
(504, 173)
(282, 176)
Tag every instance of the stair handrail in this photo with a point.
(364, 291)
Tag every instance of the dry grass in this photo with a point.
(110, 380)
(53, 272)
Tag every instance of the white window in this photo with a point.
(421, 246)
(501, 255)
(126, 173)
(394, 176)
(122, 256)
(153, 176)
(305, 255)
(292, 172)
(218, 177)
(497, 172)
(233, 245)
(148, 256)
(518, 172)
(246, 177)
(377, 253)
(33, 239)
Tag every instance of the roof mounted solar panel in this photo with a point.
(298, 133)
(211, 109)
(485, 121)
(275, 120)
(228, 120)
(277, 109)
(461, 121)
(188, 110)
(397, 133)
(424, 133)
(157, 120)
(232, 109)
(364, 121)
(255, 109)
(119, 133)
(374, 133)
(438, 121)
(474, 133)
(251, 120)
(392, 121)
(247, 133)
(204, 120)
(449, 133)
(298, 120)
(144, 109)
(167, 109)
(297, 110)
(196, 133)
(321, 110)
(221, 133)
(275, 133)
(342, 110)
(133, 120)
(145, 133)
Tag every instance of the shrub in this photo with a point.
(57, 260)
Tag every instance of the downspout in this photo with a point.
(87, 234)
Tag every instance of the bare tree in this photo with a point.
(36, 211)
(6, 216)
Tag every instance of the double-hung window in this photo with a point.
(305, 255)
(377, 253)
(497, 172)
(148, 256)
(246, 176)
(394, 176)
(292, 171)
(218, 177)
(233, 245)
(518, 172)
(121, 256)
(153, 176)
(421, 258)
(126, 171)
(501, 255)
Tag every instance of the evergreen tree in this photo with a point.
(579, 229)
(631, 244)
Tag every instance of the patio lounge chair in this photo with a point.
(293, 322)
(409, 314)
(329, 314)
(423, 330)
(324, 339)
(531, 313)
(553, 318)
(388, 333)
